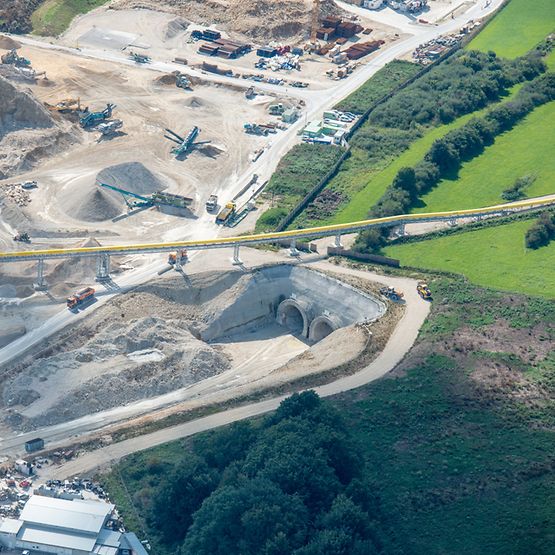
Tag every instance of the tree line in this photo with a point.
(447, 154)
(291, 484)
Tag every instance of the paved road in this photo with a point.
(399, 344)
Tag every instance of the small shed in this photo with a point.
(34, 445)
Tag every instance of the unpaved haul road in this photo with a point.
(400, 342)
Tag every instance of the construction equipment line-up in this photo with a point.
(297, 234)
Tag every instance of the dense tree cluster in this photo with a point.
(290, 485)
(542, 232)
(15, 15)
(464, 83)
(446, 155)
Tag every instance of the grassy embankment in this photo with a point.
(53, 17)
(517, 28)
(521, 151)
(494, 257)
(457, 442)
(459, 439)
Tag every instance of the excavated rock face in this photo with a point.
(257, 19)
(19, 110)
(27, 131)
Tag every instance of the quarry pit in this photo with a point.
(183, 336)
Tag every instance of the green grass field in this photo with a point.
(53, 17)
(493, 257)
(517, 28)
(518, 152)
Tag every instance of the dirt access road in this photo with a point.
(400, 342)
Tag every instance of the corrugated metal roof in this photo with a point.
(133, 543)
(10, 526)
(109, 537)
(47, 536)
(85, 516)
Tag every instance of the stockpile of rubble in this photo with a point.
(258, 19)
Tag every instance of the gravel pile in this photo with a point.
(19, 110)
(131, 176)
(94, 205)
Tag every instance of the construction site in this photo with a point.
(162, 122)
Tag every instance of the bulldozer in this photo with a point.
(391, 293)
(424, 291)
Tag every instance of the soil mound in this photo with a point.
(175, 27)
(7, 43)
(93, 206)
(19, 110)
(195, 102)
(132, 176)
(259, 19)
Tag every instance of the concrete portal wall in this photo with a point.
(317, 294)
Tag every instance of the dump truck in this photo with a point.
(81, 297)
(226, 212)
(391, 293)
(212, 203)
(423, 290)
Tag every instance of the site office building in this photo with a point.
(63, 527)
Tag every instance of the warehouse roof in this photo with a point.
(81, 515)
(47, 536)
(10, 526)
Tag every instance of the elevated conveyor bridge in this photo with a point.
(103, 253)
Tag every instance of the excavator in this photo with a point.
(424, 291)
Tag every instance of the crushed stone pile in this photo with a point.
(19, 110)
(149, 356)
(94, 205)
(131, 176)
(174, 28)
(258, 19)
(28, 132)
(7, 43)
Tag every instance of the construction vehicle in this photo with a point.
(250, 93)
(13, 58)
(172, 258)
(182, 81)
(212, 203)
(29, 185)
(159, 198)
(90, 119)
(139, 58)
(424, 291)
(110, 127)
(276, 109)
(80, 298)
(226, 212)
(22, 237)
(255, 129)
(391, 293)
(67, 106)
(184, 144)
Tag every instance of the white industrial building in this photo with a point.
(64, 527)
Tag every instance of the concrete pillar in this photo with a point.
(236, 261)
(293, 248)
(103, 268)
(337, 243)
(40, 285)
(401, 230)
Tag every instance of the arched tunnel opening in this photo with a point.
(320, 328)
(292, 319)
